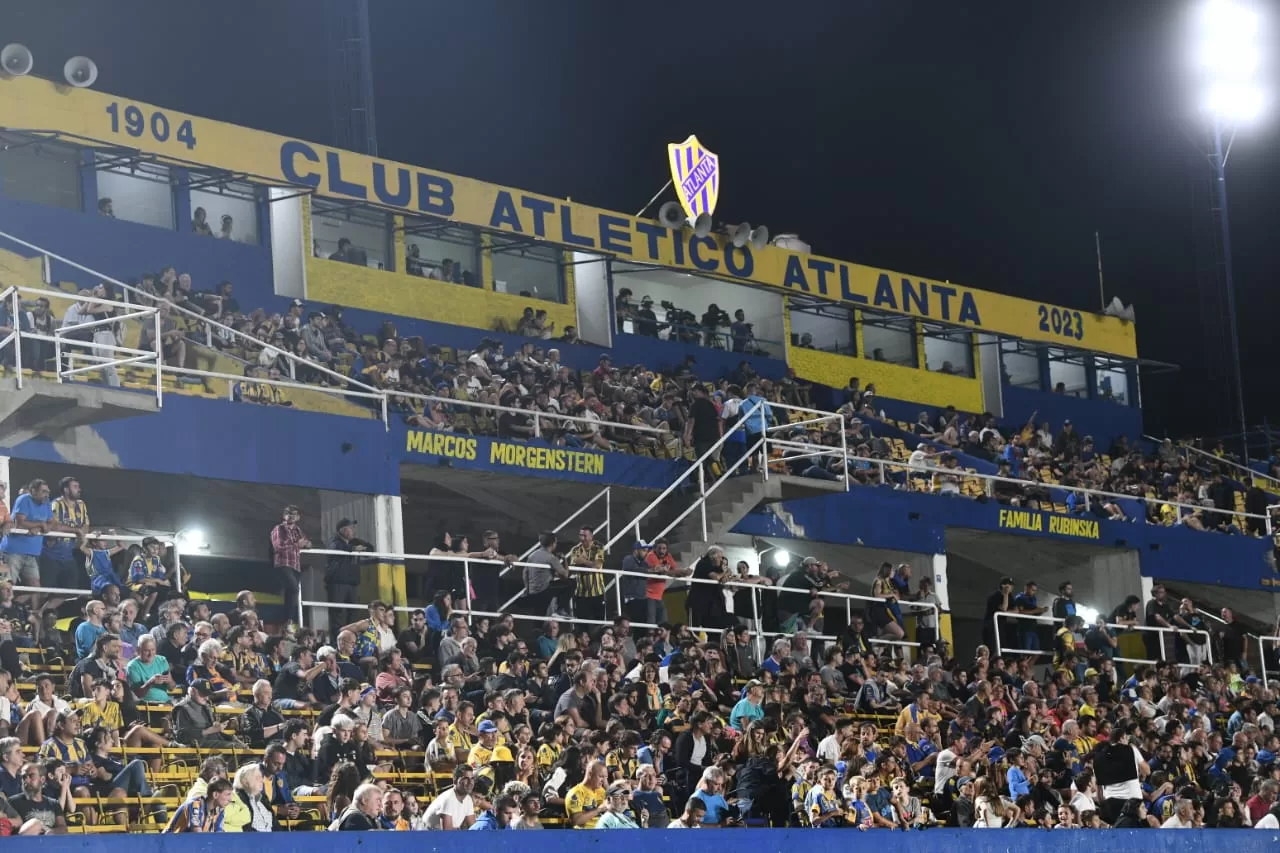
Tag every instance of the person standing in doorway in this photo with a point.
(287, 541)
(342, 574)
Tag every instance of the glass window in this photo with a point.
(527, 269)
(352, 235)
(1021, 367)
(136, 192)
(826, 327)
(229, 210)
(1066, 373)
(887, 338)
(1113, 382)
(947, 350)
(445, 252)
(40, 172)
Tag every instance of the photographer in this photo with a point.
(683, 324)
(712, 321)
(742, 333)
(646, 322)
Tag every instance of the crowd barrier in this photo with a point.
(136, 304)
(512, 607)
(704, 841)
(169, 541)
(1166, 643)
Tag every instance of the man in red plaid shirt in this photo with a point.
(287, 539)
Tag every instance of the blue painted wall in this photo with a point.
(881, 517)
(1101, 419)
(703, 841)
(125, 250)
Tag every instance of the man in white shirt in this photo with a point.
(454, 808)
(945, 767)
(1183, 816)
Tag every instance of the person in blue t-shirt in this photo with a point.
(709, 792)
(1025, 603)
(98, 564)
(32, 512)
(1017, 779)
(749, 708)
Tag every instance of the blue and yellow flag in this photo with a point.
(695, 173)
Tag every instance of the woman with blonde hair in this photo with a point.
(248, 811)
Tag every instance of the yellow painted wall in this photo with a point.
(398, 293)
(892, 380)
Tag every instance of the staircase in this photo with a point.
(731, 502)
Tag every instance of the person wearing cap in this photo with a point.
(342, 574)
(646, 322)
(287, 541)
(148, 576)
(194, 722)
(486, 748)
(616, 801)
(633, 585)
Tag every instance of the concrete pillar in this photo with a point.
(941, 589)
(335, 506)
(1113, 575)
(4, 481)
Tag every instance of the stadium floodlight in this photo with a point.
(1088, 614)
(191, 539)
(781, 557)
(1229, 60)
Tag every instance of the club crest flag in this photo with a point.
(695, 173)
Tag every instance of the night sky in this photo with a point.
(982, 147)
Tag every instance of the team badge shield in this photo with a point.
(695, 173)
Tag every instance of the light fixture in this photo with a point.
(190, 539)
(781, 557)
(1228, 57)
(1088, 614)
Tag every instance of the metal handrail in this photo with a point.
(1051, 620)
(1262, 653)
(818, 450)
(1187, 448)
(170, 541)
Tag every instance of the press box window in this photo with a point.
(1066, 373)
(350, 235)
(947, 350)
(445, 252)
(40, 172)
(1113, 382)
(138, 192)
(234, 199)
(890, 339)
(827, 327)
(1020, 365)
(526, 269)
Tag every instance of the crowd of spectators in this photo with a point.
(458, 722)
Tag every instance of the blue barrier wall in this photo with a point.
(126, 250)
(704, 841)
(880, 517)
(260, 444)
(1099, 418)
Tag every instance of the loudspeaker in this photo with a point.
(16, 60)
(759, 237)
(80, 71)
(671, 215)
(739, 234)
(702, 225)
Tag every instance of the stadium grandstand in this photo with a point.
(344, 494)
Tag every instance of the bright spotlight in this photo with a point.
(1088, 614)
(191, 539)
(1229, 56)
(781, 557)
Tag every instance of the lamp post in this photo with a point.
(1228, 51)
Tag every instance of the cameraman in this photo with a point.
(742, 333)
(646, 322)
(711, 322)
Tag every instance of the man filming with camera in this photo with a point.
(712, 321)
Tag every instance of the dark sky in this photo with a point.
(981, 143)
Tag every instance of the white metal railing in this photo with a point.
(1001, 649)
(1263, 642)
(755, 590)
(882, 465)
(169, 541)
(143, 302)
(66, 351)
(1249, 473)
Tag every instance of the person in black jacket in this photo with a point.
(342, 574)
(261, 722)
(339, 747)
(694, 750)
